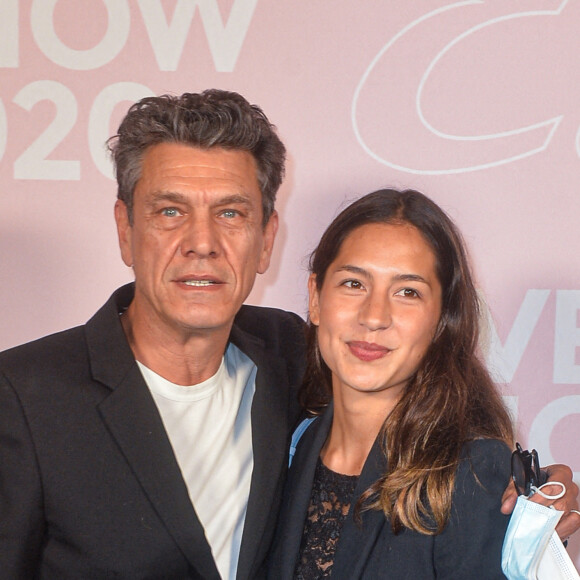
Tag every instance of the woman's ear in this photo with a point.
(313, 300)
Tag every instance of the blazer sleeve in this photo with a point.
(470, 546)
(21, 514)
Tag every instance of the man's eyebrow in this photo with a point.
(176, 197)
(234, 199)
(173, 196)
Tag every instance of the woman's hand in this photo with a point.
(568, 503)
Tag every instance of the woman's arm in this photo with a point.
(470, 546)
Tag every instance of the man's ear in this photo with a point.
(313, 300)
(124, 232)
(268, 235)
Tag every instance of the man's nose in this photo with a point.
(200, 237)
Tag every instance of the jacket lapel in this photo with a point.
(270, 441)
(357, 541)
(297, 496)
(132, 419)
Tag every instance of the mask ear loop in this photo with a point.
(539, 491)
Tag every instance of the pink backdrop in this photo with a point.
(473, 102)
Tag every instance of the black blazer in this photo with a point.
(89, 485)
(468, 548)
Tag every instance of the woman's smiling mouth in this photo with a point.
(367, 351)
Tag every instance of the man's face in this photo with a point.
(197, 240)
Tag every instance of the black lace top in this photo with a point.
(329, 504)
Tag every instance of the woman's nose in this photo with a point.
(375, 312)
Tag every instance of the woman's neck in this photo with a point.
(356, 424)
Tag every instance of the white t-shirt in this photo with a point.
(209, 426)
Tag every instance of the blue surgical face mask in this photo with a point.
(532, 549)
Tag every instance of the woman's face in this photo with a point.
(378, 308)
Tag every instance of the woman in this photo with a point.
(402, 473)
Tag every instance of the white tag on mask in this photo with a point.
(556, 563)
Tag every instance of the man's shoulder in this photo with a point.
(262, 320)
(62, 348)
(48, 347)
(52, 361)
(279, 330)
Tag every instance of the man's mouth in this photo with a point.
(199, 282)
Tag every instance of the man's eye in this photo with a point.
(229, 213)
(170, 212)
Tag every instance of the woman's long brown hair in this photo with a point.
(450, 399)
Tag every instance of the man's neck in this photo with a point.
(179, 357)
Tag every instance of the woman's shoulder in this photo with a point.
(485, 446)
(486, 462)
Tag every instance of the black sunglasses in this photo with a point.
(526, 470)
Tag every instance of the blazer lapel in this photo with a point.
(297, 496)
(270, 441)
(357, 541)
(134, 422)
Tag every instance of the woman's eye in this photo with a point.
(354, 284)
(408, 293)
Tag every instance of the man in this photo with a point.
(152, 442)
(173, 395)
